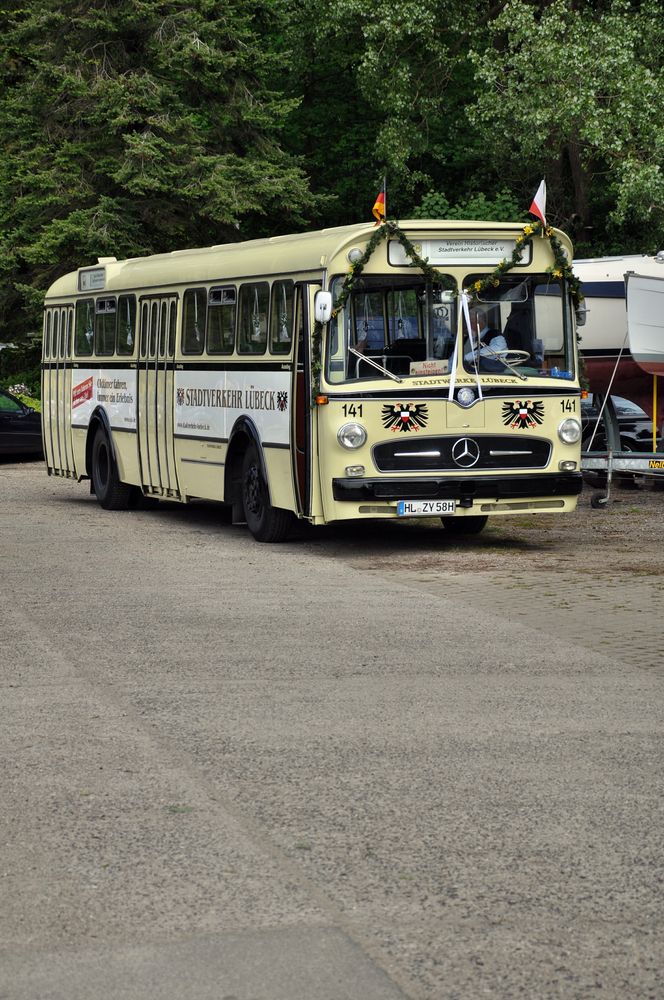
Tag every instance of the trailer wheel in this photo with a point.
(598, 501)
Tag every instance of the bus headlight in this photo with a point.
(569, 431)
(351, 435)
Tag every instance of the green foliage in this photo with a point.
(574, 92)
(502, 207)
(22, 365)
(147, 125)
(135, 127)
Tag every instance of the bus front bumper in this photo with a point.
(465, 489)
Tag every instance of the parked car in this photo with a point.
(634, 425)
(20, 427)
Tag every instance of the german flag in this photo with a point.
(379, 207)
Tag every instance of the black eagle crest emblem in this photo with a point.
(405, 417)
(523, 414)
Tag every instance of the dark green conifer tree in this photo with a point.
(131, 127)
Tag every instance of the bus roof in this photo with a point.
(297, 253)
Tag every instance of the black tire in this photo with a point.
(111, 493)
(266, 523)
(598, 501)
(465, 525)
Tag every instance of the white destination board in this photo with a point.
(457, 251)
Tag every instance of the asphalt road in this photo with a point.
(244, 772)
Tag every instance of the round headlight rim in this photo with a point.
(350, 427)
(566, 425)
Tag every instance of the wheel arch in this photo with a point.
(98, 419)
(243, 434)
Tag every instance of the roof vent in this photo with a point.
(107, 260)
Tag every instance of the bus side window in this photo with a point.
(47, 334)
(172, 320)
(126, 324)
(163, 327)
(154, 323)
(221, 321)
(253, 311)
(145, 315)
(54, 336)
(281, 317)
(84, 327)
(104, 326)
(63, 333)
(70, 327)
(193, 323)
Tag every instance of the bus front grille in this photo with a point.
(429, 454)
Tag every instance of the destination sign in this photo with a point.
(457, 251)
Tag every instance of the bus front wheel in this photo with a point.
(266, 523)
(110, 491)
(464, 525)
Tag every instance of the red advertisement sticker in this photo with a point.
(81, 393)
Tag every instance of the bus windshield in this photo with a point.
(395, 326)
(524, 321)
(392, 325)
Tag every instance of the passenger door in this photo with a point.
(154, 416)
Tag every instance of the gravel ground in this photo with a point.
(595, 576)
(376, 762)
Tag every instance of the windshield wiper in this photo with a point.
(370, 361)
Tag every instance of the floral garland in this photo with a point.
(386, 229)
(560, 269)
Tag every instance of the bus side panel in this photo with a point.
(208, 405)
(200, 467)
(280, 481)
(126, 454)
(48, 414)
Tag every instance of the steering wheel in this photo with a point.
(513, 357)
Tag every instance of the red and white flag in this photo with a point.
(538, 206)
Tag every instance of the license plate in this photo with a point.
(425, 508)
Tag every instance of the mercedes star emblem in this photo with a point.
(466, 452)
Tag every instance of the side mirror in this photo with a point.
(323, 307)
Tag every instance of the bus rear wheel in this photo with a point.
(266, 523)
(465, 525)
(110, 491)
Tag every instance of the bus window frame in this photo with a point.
(225, 352)
(97, 332)
(272, 340)
(247, 287)
(188, 293)
(90, 305)
(120, 305)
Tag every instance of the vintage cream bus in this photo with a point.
(261, 375)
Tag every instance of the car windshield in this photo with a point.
(391, 327)
(521, 321)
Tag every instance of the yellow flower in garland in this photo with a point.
(528, 230)
(478, 286)
(557, 273)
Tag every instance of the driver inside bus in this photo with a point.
(491, 343)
